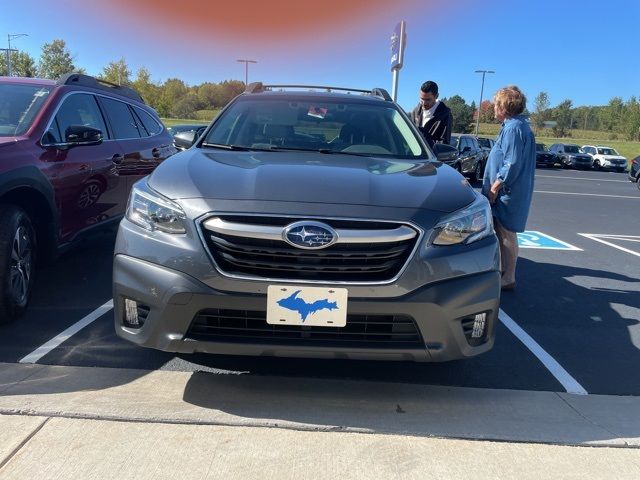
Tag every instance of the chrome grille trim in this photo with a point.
(267, 232)
(202, 232)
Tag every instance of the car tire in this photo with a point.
(596, 165)
(17, 261)
(477, 172)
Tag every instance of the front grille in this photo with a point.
(361, 331)
(276, 259)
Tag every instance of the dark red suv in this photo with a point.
(69, 152)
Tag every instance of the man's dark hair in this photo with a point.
(430, 87)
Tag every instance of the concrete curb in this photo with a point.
(315, 405)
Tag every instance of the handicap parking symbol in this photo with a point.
(533, 239)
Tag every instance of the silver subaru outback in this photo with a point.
(308, 222)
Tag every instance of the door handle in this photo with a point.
(117, 159)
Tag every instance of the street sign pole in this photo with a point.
(398, 43)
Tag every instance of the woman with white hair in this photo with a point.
(509, 175)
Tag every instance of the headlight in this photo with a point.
(152, 211)
(465, 226)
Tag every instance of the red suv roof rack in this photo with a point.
(92, 82)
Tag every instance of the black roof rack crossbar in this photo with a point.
(258, 87)
(89, 81)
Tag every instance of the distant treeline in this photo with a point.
(173, 98)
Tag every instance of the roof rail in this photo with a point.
(382, 93)
(258, 87)
(255, 87)
(92, 82)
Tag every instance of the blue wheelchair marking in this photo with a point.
(533, 239)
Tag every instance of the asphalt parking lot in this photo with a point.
(572, 324)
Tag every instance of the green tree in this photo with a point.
(631, 120)
(230, 89)
(562, 116)
(541, 107)
(149, 91)
(171, 92)
(22, 65)
(611, 115)
(462, 114)
(55, 60)
(117, 72)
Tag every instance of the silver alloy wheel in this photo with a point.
(89, 195)
(20, 266)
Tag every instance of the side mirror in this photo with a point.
(445, 153)
(184, 140)
(76, 135)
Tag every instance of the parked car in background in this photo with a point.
(571, 156)
(544, 157)
(486, 144)
(634, 171)
(69, 153)
(185, 134)
(266, 238)
(447, 154)
(471, 160)
(605, 158)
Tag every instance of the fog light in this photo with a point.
(479, 323)
(131, 313)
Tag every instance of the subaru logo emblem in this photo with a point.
(309, 235)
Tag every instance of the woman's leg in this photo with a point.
(508, 253)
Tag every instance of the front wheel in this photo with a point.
(17, 261)
(596, 165)
(477, 172)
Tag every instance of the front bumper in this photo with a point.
(173, 300)
(580, 163)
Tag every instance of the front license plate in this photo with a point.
(295, 305)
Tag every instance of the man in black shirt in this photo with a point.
(431, 116)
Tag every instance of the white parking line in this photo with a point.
(569, 383)
(637, 197)
(580, 178)
(623, 238)
(41, 351)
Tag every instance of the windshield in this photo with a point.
(328, 126)
(607, 151)
(19, 105)
(572, 149)
(541, 147)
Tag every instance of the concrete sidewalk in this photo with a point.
(78, 422)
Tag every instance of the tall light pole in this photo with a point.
(246, 70)
(483, 72)
(11, 36)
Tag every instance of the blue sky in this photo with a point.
(585, 51)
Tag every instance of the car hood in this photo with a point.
(6, 141)
(311, 177)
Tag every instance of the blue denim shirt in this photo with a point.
(512, 160)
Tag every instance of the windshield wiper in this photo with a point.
(276, 148)
(227, 147)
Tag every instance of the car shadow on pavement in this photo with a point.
(586, 319)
